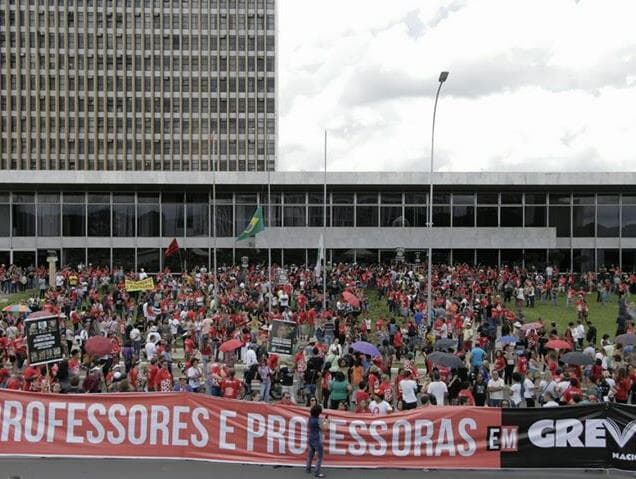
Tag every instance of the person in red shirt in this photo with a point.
(188, 346)
(386, 388)
(152, 373)
(623, 386)
(16, 383)
(572, 392)
(230, 386)
(465, 395)
(163, 380)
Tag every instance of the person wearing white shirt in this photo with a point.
(151, 350)
(496, 387)
(515, 390)
(379, 407)
(437, 389)
(549, 401)
(250, 358)
(528, 391)
(408, 388)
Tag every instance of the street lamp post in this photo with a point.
(429, 303)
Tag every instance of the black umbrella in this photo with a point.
(577, 359)
(445, 344)
(446, 360)
(626, 339)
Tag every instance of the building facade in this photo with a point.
(138, 85)
(576, 221)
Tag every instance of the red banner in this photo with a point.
(193, 426)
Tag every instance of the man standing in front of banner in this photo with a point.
(315, 428)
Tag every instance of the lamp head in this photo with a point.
(443, 76)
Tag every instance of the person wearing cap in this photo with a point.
(379, 406)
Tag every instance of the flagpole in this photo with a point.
(324, 232)
(215, 169)
(269, 225)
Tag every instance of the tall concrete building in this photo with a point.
(134, 85)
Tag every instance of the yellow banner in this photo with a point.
(143, 285)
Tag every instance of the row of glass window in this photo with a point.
(152, 259)
(222, 4)
(146, 215)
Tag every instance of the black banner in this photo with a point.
(282, 337)
(44, 341)
(595, 436)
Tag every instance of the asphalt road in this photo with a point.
(159, 469)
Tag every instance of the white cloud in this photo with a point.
(534, 85)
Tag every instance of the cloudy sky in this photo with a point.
(534, 85)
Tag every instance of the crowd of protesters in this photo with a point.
(476, 348)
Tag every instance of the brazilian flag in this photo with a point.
(255, 226)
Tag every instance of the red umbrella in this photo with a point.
(230, 345)
(351, 298)
(99, 346)
(558, 344)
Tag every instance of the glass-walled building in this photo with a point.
(574, 221)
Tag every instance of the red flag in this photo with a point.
(172, 248)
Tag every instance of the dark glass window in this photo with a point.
(536, 216)
(536, 198)
(5, 223)
(629, 260)
(123, 220)
(416, 216)
(583, 221)
(48, 219)
(276, 217)
(367, 198)
(98, 220)
(487, 216)
(291, 198)
(415, 198)
(463, 199)
(583, 199)
(197, 216)
(124, 258)
(511, 198)
(607, 221)
(99, 257)
(366, 215)
(511, 216)
(441, 216)
(393, 198)
(464, 256)
(463, 216)
(582, 260)
(148, 217)
(316, 216)
(342, 198)
(607, 199)
(342, 216)
(73, 256)
(560, 199)
(73, 220)
(294, 216)
(224, 221)
(441, 198)
(487, 198)
(606, 258)
(172, 215)
(560, 218)
(392, 216)
(244, 214)
(560, 258)
(148, 259)
(629, 221)
(23, 220)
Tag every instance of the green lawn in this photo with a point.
(18, 297)
(603, 317)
